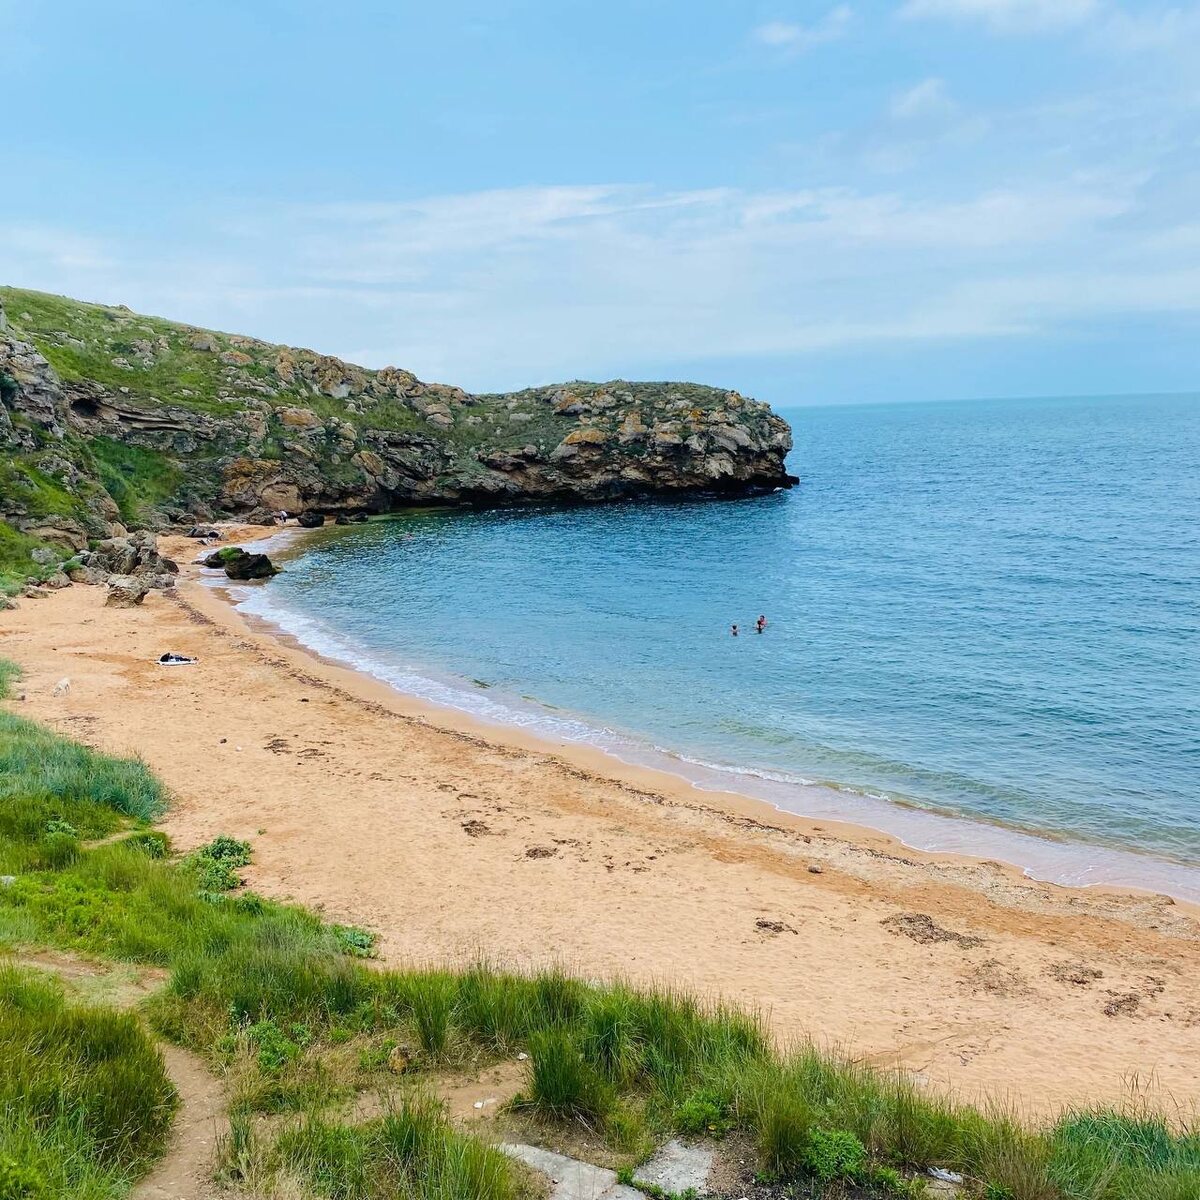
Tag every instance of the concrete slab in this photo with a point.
(678, 1167)
(571, 1179)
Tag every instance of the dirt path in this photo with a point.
(185, 1170)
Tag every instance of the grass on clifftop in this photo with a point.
(281, 1004)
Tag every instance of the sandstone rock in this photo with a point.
(125, 591)
(87, 575)
(589, 435)
(298, 418)
(56, 582)
(31, 591)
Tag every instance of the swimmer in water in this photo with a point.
(733, 629)
(760, 624)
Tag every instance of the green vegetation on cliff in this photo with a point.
(280, 1004)
(107, 417)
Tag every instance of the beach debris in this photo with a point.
(522, 1057)
(945, 1176)
(125, 591)
(475, 829)
(813, 869)
(995, 978)
(61, 688)
(1076, 973)
(171, 659)
(921, 928)
(540, 852)
(769, 926)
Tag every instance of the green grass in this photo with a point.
(413, 1151)
(84, 1097)
(138, 480)
(279, 1000)
(16, 563)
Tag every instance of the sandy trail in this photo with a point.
(453, 840)
(185, 1170)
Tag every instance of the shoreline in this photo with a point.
(454, 840)
(858, 815)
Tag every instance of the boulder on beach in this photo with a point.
(240, 564)
(218, 558)
(311, 520)
(125, 591)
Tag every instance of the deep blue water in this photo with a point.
(989, 608)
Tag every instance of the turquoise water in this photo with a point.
(989, 609)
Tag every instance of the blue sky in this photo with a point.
(812, 202)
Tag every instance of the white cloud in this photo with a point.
(1005, 16)
(785, 35)
(923, 100)
(501, 288)
(58, 249)
(1164, 29)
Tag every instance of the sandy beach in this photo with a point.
(454, 840)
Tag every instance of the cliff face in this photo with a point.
(108, 417)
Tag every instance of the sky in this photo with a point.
(810, 202)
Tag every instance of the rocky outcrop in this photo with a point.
(142, 421)
(136, 557)
(241, 564)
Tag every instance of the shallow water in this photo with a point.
(988, 609)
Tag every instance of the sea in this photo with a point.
(982, 628)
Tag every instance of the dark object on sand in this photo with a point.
(204, 532)
(171, 659)
(311, 520)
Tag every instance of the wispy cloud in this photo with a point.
(925, 99)
(794, 37)
(1005, 16)
(506, 287)
(57, 249)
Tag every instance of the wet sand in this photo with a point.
(454, 840)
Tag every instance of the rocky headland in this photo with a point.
(111, 421)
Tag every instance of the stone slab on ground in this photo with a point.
(677, 1167)
(572, 1179)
